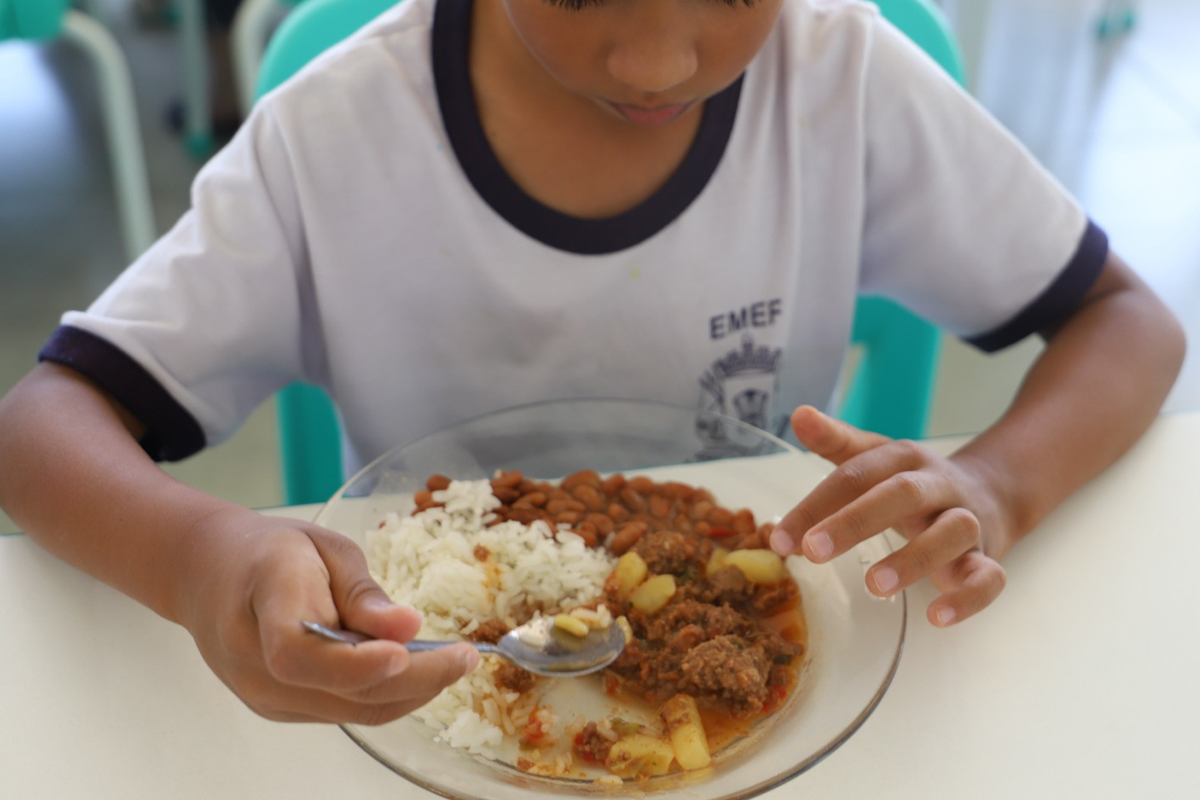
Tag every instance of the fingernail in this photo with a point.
(820, 546)
(470, 659)
(885, 579)
(781, 543)
(377, 602)
(945, 615)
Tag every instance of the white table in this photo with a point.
(1083, 680)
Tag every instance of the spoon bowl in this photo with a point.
(538, 646)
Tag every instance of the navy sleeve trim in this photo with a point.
(1059, 300)
(172, 433)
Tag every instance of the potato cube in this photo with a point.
(640, 756)
(759, 566)
(653, 594)
(630, 571)
(572, 625)
(682, 720)
(716, 561)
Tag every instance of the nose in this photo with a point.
(653, 58)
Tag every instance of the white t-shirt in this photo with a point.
(358, 233)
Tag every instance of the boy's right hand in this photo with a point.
(250, 581)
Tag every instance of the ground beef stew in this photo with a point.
(714, 621)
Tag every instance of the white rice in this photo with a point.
(427, 561)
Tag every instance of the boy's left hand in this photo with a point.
(956, 527)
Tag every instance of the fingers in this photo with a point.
(311, 676)
(880, 484)
(426, 675)
(866, 495)
(952, 534)
(295, 657)
(361, 604)
(969, 585)
(831, 438)
(302, 676)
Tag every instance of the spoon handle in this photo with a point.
(422, 646)
(415, 646)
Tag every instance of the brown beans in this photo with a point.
(616, 509)
(561, 505)
(602, 523)
(590, 496)
(617, 512)
(613, 484)
(423, 499)
(641, 484)
(588, 477)
(506, 494)
(535, 499)
(632, 498)
(627, 536)
(511, 479)
(719, 516)
(588, 533)
(676, 491)
(743, 522)
(660, 506)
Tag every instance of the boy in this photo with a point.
(476, 204)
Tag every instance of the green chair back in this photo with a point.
(35, 20)
(891, 390)
(890, 393)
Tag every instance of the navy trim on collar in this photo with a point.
(1059, 300)
(171, 434)
(456, 99)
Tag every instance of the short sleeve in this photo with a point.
(962, 225)
(211, 320)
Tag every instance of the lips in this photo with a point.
(656, 115)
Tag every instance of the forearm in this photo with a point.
(74, 478)
(1096, 388)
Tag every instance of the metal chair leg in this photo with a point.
(197, 111)
(121, 121)
(250, 30)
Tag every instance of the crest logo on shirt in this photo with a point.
(742, 384)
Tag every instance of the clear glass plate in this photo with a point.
(855, 639)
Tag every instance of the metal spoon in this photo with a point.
(538, 646)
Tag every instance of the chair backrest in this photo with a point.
(32, 19)
(890, 392)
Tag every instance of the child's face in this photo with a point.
(645, 61)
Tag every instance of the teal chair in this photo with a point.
(46, 20)
(891, 390)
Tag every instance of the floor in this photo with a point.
(1116, 120)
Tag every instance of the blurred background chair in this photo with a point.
(45, 20)
(891, 389)
(197, 106)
